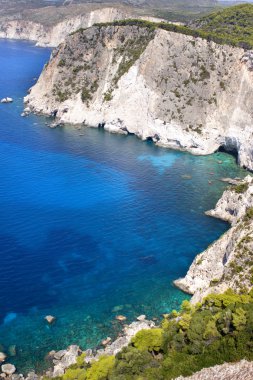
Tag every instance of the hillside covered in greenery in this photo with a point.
(233, 23)
(230, 26)
(218, 330)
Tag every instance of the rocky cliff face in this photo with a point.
(227, 371)
(228, 262)
(179, 91)
(53, 35)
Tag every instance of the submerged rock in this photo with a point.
(55, 125)
(50, 319)
(117, 308)
(141, 317)
(12, 350)
(232, 181)
(121, 318)
(3, 356)
(32, 376)
(9, 369)
(106, 341)
(26, 111)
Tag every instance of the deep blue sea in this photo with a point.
(92, 224)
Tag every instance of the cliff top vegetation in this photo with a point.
(235, 23)
(232, 26)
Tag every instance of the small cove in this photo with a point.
(91, 226)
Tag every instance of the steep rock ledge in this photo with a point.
(182, 92)
(228, 262)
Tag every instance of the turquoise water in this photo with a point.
(91, 225)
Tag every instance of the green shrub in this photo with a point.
(108, 96)
(249, 214)
(241, 188)
(74, 374)
(62, 63)
(149, 340)
(132, 364)
(85, 95)
(204, 74)
(101, 369)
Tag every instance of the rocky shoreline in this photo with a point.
(61, 360)
(227, 262)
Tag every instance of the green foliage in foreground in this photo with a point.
(218, 330)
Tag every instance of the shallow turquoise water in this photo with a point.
(90, 223)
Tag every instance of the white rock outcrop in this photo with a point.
(243, 370)
(129, 332)
(227, 262)
(6, 100)
(65, 358)
(8, 369)
(182, 92)
(3, 356)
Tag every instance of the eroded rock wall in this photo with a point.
(228, 262)
(182, 92)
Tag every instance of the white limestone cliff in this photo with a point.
(52, 35)
(227, 262)
(182, 92)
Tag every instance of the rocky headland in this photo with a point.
(190, 93)
(59, 361)
(49, 26)
(227, 263)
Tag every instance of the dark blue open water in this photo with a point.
(90, 223)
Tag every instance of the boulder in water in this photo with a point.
(12, 350)
(50, 319)
(106, 341)
(141, 318)
(7, 100)
(9, 369)
(121, 318)
(2, 357)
